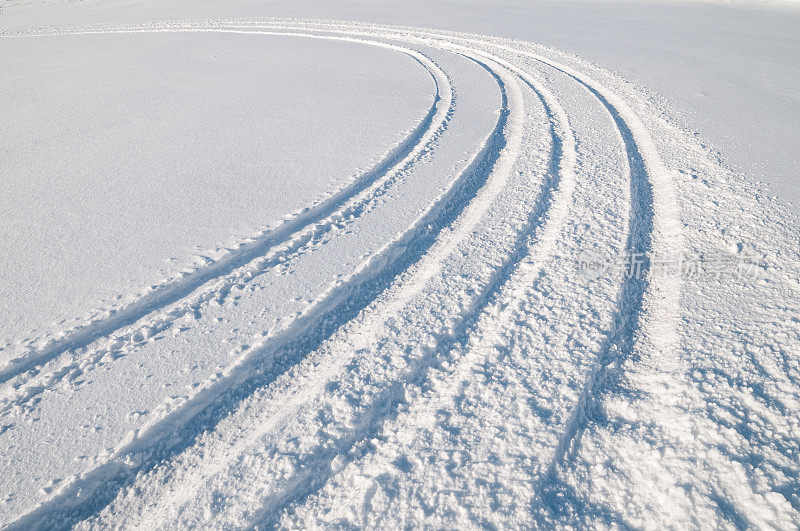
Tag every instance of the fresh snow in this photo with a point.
(730, 68)
(129, 158)
(468, 282)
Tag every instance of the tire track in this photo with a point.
(533, 248)
(319, 469)
(635, 316)
(345, 202)
(644, 319)
(274, 249)
(534, 242)
(256, 367)
(317, 466)
(647, 307)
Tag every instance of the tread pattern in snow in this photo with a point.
(464, 374)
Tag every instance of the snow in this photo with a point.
(130, 158)
(420, 342)
(729, 68)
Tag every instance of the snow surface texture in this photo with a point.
(447, 340)
(729, 69)
(192, 142)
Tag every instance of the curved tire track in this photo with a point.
(252, 369)
(645, 316)
(647, 307)
(419, 140)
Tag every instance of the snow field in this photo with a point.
(428, 351)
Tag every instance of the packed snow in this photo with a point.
(301, 272)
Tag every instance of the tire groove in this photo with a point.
(172, 292)
(261, 365)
